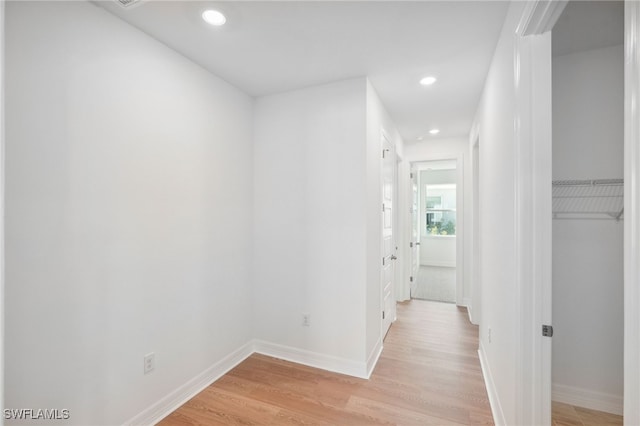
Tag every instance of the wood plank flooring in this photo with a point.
(428, 374)
(568, 415)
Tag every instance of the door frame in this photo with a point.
(632, 213)
(398, 236)
(413, 258)
(2, 184)
(475, 307)
(533, 176)
(533, 213)
(461, 298)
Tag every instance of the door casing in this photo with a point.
(462, 299)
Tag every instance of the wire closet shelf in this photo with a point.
(588, 199)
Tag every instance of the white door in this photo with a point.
(415, 231)
(388, 242)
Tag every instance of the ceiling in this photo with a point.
(586, 25)
(269, 47)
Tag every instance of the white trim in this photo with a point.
(532, 62)
(2, 192)
(467, 303)
(632, 215)
(399, 278)
(474, 232)
(405, 224)
(178, 397)
(588, 399)
(460, 228)
(374, 356)
(523, 217)
(494, 401)
(540, 16)
(312, 359)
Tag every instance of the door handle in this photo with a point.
(393, 257)
(417, 243)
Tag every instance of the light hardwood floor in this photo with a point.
(428, 374)
(568, 415)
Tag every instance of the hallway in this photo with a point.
(428, 374)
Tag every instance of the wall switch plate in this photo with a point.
(149, 362)
(306, 320)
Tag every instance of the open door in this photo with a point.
(388, 241)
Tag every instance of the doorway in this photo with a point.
(570, 142)
(587, 208)
(434, 230)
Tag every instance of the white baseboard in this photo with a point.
(587, 398)
(467, 303)
(312, 359)
(373, 358)
(175, 399)
(494, 401)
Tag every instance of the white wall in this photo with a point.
(588, 143)
(495, 122)
(438, 251)
(437, 177)
(440, 149)
(435, 149)
(309, 237)
(128, 211)
(317, 175)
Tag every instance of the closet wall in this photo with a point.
(588, 253)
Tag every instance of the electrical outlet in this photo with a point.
(489, 335)
(149, 362)
(306, 320)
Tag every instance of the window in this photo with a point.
(440, 209)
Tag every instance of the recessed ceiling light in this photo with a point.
(428, 81)
(434, 131)
(214, 17)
